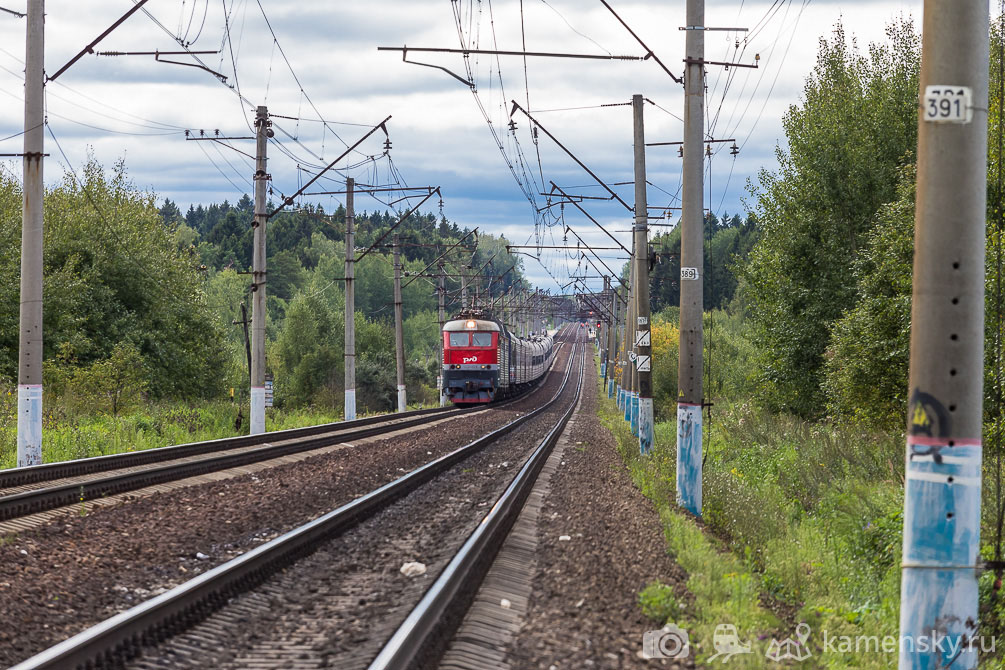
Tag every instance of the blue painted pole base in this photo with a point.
(938, 592)
(610, 388)
(628, 407)
(689, 457)
(646, 435)
(635, 414)
(603, 369)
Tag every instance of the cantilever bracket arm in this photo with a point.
(289, 201)
(222, 78)
(404, 59)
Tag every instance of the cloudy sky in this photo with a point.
(316, 63)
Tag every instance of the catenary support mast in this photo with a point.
(262, 131)
(441, 294)
(399, 339)
(29, 378)
(943, 471)
(350, 300)
(641, 326)
(690, 398)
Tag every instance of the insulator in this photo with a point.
(512, 125)
(387, 144)
(680, 151)
(708, 149)
(734, 150)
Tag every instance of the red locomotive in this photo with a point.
(483, 361)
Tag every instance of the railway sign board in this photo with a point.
(643, 363)
(947, 104)
(689, 273)
(642, 338)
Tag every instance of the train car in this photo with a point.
(482, 361)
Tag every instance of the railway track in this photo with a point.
(29, 491)
(124, 636)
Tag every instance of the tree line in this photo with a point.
(142, 298)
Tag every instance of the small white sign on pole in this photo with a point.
(947, 104)
(643, 363)
(642, 338)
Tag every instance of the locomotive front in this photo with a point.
(471, 360)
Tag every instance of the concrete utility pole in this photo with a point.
(464, 287)
(643, 359)
(29, 378)
(604, 350)
(441, 294)
(263, 131)
(690, 396)
(399, 339)
(938, 610)
(350, 300)
(629, 366)
(612, 341)
(630, 334)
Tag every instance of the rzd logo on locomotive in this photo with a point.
(469, 359)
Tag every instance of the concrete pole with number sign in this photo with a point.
(690, 397)
(350, 301)
(643, 346)
(633, 417)
(942, 495)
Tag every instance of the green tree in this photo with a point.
(856, 127)
(866, 368)
(113, 276)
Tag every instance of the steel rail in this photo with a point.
(420, 639)
(115, 640)
(35, 474)
(23, 503)
(63, 469)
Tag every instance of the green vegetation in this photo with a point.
(659, 603)
(847, 144)
(143, 345)
(807, 364)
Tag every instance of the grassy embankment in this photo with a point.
(801, 523)
(68, 434)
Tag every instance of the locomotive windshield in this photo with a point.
(458, 339)
(481, 339)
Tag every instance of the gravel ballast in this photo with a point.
(64, 577)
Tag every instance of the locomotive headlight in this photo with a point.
(470, 324)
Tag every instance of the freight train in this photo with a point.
(482, 361)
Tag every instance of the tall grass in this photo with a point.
(69, 434)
